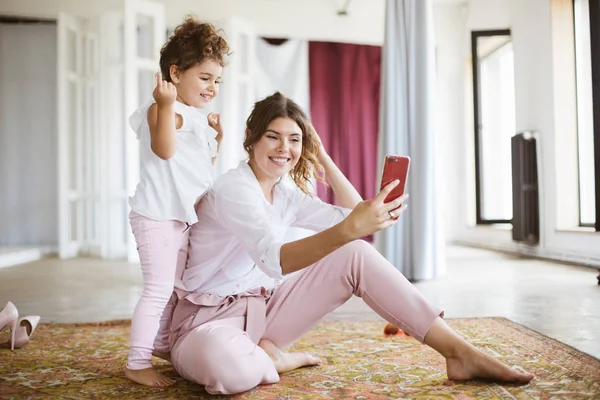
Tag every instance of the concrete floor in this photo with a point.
(560, 301)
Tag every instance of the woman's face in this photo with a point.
(278, 150)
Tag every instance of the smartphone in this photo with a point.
(395, 167)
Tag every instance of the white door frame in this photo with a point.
(99, 78)
(78, 136)
(70, 179)
(139, 69)
(238, 94)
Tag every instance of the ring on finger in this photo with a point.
(392, 214)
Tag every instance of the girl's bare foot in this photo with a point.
(148, 377)
(165, 355)
(474, 364)
(284, 361)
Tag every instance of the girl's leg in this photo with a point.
(158, 245)
(161, 342)
(357, 268)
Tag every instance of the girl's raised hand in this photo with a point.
(165, 92)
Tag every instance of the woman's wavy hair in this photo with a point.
(192, 43)
(278, 106)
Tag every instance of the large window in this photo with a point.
(587, 56)
(585, 113)
(494, 114)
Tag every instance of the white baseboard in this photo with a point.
(535, 252)
(20, 255)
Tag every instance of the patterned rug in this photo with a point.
(86, 361)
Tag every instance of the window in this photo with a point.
(585, 109)
(494, 114)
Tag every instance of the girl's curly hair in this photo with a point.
(278, 106)
(192, 43)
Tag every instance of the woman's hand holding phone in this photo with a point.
(373, 215)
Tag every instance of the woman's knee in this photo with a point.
(360, 247)
(355, 253)
(222, 359)
(358, 259)
(235, 376)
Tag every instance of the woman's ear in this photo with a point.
(174, 73)
(249, 148)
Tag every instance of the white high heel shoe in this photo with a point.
(10, 316)
(24, 331)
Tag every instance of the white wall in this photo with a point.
(28, 137)
(536, 109)
(305, 19)
(451, 46)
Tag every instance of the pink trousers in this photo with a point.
(162, 246)
(214, 339)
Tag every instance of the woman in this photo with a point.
(238, 311)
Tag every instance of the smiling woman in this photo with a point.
(277, 151)
(240, 305)
(276, 142)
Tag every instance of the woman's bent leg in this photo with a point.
(357, 268)
(223, 359)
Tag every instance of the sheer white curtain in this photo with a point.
(283, 68)
(415, 244)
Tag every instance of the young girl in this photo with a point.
(178, 146)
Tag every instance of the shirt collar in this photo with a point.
(244, 167)
(180, 107)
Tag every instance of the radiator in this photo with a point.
(526, 211)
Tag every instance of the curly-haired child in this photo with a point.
(178, 146)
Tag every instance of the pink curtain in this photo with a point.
(345, 84)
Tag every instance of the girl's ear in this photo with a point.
(174, 73)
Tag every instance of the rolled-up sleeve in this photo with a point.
(244, 214)
(316, 215)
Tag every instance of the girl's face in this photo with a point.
(198, 85)
(278, 150)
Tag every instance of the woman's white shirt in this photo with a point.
(235, 246)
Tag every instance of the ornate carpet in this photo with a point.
(86, 361)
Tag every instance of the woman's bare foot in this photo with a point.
(284, 361)
(477, 365)
(464, 361)
(148, 377)
(165, 355)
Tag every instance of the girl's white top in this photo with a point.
(168, 189)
